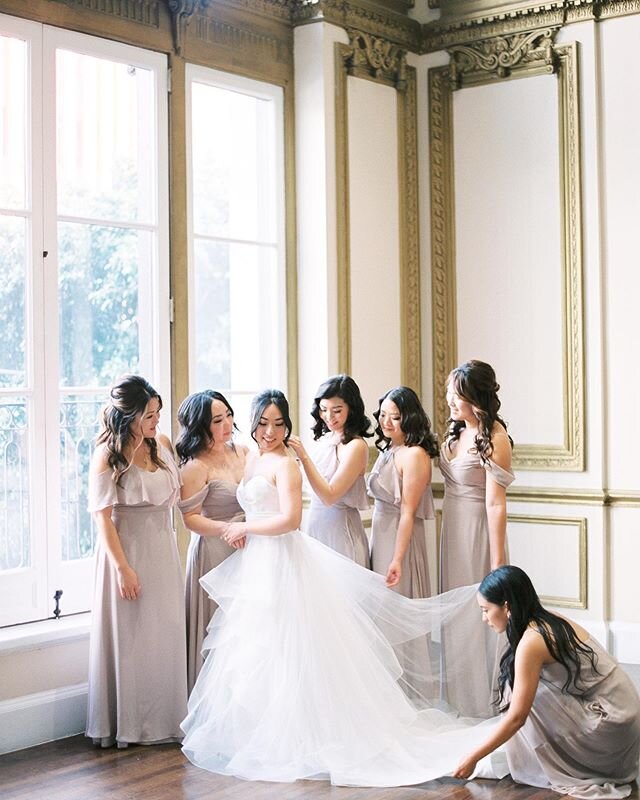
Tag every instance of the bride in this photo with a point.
(307, 674)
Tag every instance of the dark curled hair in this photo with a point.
(344, 387)
(414, 422)
(128, 399)
(194, 417)
(511, 585)
(261, 402)
(475, 382)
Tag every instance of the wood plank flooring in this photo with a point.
(72, 769)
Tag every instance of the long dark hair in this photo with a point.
(414, 421)
(266, 398)
(511, 585)
(194, 417)
(475, 382)
(344, 387)
(128, 399)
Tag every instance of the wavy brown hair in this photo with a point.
(128, 399)
(414, 421)
(194, 417)
(475, 382)
(344, 387)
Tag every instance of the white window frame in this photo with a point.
(275, 94)
(50, 572)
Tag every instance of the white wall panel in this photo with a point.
(621, 179)
(374, 237)
(510, 301)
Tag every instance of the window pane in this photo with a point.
(233, 165)
(12, 300)
(15, 540)
(105, 134)
(13, 123)
(99, 279)
(237, 315)
(79, 426)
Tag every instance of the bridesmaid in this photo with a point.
(137, 666)
(211, 468)
(475, 462)
(570, 715)
(336, 474)
(400, 484)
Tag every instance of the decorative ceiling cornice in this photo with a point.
(181, 12)
(144, 12)
(368, 17)
(372, 57)
(502, 56)
(469, 20)
(461, 22)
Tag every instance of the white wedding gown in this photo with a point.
(312, 662)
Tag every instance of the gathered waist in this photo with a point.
(125, 510)
(464, 493)
(382, 507)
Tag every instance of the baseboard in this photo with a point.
(42, 717)
(625, 641)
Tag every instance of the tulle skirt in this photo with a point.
(316, 670)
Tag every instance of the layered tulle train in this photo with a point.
(317, 670)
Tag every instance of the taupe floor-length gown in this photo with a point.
(384, 484)
(137, 663)
(339, 526)
(464, 542)
(218, 501)
(580, 746)
(465, 560)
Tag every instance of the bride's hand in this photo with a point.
(465, 767)
(234, 532)
(394, 573)
(239, 543)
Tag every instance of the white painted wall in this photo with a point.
(374, 227)
(508, 302)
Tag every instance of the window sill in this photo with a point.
(50, 632)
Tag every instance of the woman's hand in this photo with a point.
(128, 584)
(394, 573)
(295, 443)
(239, 543)
(465, 768)
(234, 532)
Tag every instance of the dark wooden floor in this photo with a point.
(72, 769)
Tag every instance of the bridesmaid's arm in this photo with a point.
(289, 486)
(194, 478)
(128, 583)
(414, 467)
(496, 503)
(353, 463)
(531, 655)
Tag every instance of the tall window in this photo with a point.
(236, 235)
(83, 287)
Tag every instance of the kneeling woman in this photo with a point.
(571, 715)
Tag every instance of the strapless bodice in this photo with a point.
(258, 497)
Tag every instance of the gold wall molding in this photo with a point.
(144, 12)
(580, 526)
(181, 12)
(501, 57)
(368, 17)
(533, 57)
(552, 495)
(375, 59)
(242, 39)
(469, 20)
